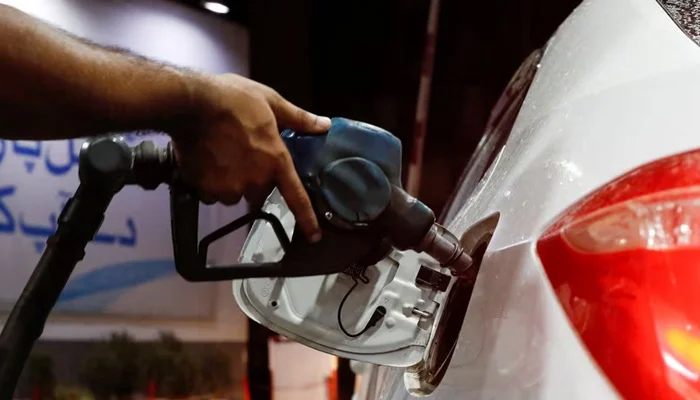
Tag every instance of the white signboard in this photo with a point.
(127, 270)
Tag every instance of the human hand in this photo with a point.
(234, 148)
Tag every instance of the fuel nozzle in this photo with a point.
(411, 225)
(444, 247)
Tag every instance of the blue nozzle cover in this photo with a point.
(349, 162)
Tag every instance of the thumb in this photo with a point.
(290, 116)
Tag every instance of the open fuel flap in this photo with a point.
(383, 314)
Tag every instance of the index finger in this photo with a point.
(297, 199)
(291, 116)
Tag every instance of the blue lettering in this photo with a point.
(41, 232)
(29, 149)
(8, 225)
(38, 230)
(104, 238)
(62, 169)
(129, 240)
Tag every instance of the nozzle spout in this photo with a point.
(444, 247)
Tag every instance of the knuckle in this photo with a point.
(208, 187)
(264, 126)
(270, 93)
(208, 200)
(303, 116)
(297, 196)
(254, 92)
(281, 154)
(266, 162)
(220, 187)
(277, 164)
(260, 178)
(282, 157)
(261, 94)
(231, 198)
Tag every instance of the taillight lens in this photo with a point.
(625, 264)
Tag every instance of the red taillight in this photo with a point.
(625, 264)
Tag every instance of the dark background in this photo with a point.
(361, 59)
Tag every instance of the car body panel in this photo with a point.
(617, 87)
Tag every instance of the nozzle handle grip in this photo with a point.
(191, 254)
(301, 258)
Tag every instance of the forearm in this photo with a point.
(55, 86)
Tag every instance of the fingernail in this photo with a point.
(316, 237)
(323, 122)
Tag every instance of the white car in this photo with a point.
(581, 207)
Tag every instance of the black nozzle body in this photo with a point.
(407, 220)
(152, 165)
